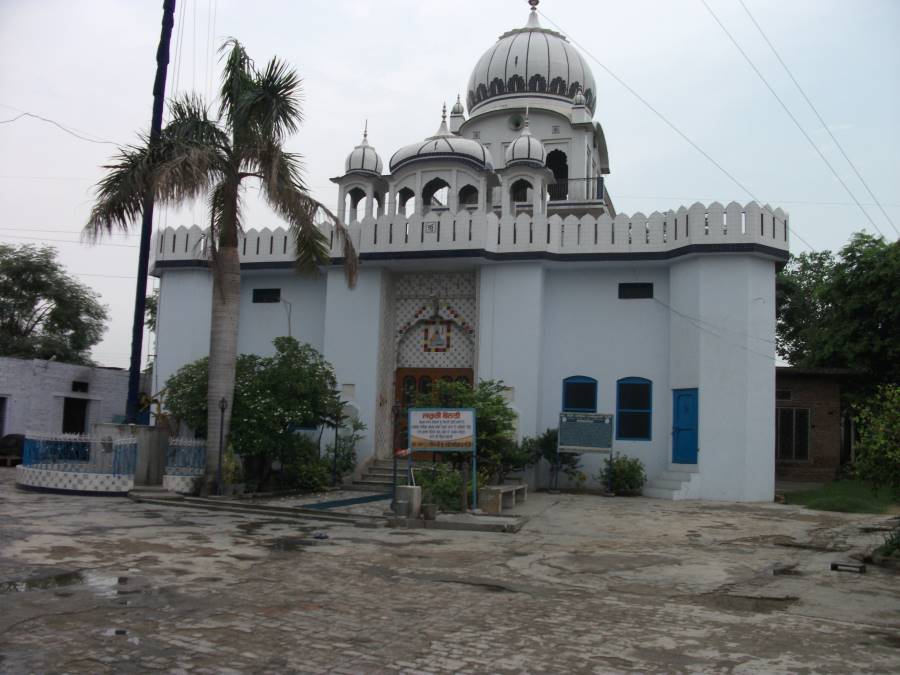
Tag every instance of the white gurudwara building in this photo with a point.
(492, 250)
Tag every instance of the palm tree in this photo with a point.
(197, 155)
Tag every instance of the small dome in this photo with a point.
(579, 98)
(526, 149)
(457, 108)
(446, 146)
(363, 158)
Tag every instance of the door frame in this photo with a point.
(399, 416)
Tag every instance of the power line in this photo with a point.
(666, 120)
(791, 115)
(64, 241)
(57, 124)
(818, 116)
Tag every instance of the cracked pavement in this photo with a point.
(590, 584)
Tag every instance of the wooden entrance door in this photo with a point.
(411, 381)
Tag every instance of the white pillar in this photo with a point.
(370, 197)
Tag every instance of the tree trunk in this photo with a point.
(223, 336)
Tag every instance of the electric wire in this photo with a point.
(58, 125)
(818, 116)
(791, 115)
(665, 120)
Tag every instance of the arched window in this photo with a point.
(406, 202)
(558, 163)
(351, 204)
(468, 196)
(521, 191)
(579, 394)
(634, 409)
(435, 193)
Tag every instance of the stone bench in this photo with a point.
(494, 498)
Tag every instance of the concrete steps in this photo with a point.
(679, 481)
(379, 475)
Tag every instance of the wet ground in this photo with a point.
(590, 584)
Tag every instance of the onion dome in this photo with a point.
(457, 108)
(533, 62)
(444, 145)
(526, 149)
(363, 159)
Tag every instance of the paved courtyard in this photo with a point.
(97, 585)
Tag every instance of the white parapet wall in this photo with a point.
(659, 235)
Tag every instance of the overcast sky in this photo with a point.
(89, 65)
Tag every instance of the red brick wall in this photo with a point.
(822, 396)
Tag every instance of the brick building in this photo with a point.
(809, 425)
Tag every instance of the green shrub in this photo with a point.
(347, 438)
(878, 449)
(544, 447)
(623, 475)
(441, 485)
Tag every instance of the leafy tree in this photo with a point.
(197, 155)
(44, 312)
(151, 310)
(844, 311)
(495, 421)
(274, 398)
(878, 448)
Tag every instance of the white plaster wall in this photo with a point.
(35, 391)
(510, 316)
(352, 322)
(589, 331)
(185, 300)
(737, 377)
(262, 322)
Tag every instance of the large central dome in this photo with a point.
(531, 62)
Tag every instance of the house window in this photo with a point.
(266, 295)
(634, 409)
(80, 387)
(579, 394)
(792, 434)
(782, 395)
(635, 291)
(555, 129)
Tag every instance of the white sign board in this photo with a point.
(442, 429)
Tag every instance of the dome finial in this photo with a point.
(532, 17)
(444, 112)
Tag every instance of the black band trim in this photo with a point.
(777, 253)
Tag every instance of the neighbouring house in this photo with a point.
(812, 434)
(52, 398)
(491, 249)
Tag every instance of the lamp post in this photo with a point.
(223, 404)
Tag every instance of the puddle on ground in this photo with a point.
(290, 544)
(747, 603)
(102, 585)
(54, 581)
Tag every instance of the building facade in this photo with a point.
(54, 398)
(492, 250)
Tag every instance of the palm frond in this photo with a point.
(282, 187)
(190, 154)
(237, 79)
(121, 192)
(272, 104)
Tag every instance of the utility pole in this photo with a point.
(137, 330)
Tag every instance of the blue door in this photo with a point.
(684, 426)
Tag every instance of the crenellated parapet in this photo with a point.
(695, 229)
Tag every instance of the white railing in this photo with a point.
(477, 231)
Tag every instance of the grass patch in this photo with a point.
(848, 496)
